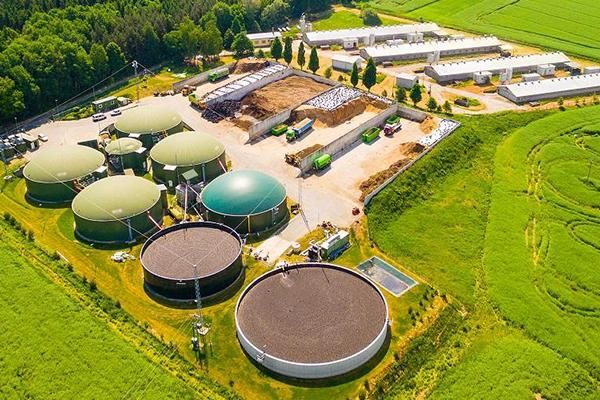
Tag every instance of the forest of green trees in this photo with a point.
(51, 50)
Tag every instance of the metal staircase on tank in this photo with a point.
(200, 328)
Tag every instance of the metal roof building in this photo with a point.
(263, 39)
(247, 83)
(463, 70)
(311, 320)
(148, 124)
(247, 201)
(117, 209)
(188, 151)
(367, 35)
(551, 88)
(343, 62)
(176, 257)
(451, 47)
(56, 174)
(126, 153)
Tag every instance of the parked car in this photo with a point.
(43, 137)
(98, 117)
(115, 112)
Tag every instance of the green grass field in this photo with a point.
(55, 349)
(542, 250)
(572, 26)
(346, 19)
(461, 218)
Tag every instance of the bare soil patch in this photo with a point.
(410, 150)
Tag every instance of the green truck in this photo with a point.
(392, 124)
(299, 129)
(279, 130)
(370, 134)
(322, 162)
(217, 74)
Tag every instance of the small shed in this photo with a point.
(394, 42)
(482, 77)
(263, 39)
(546, 69)
(506, 50)
(405, 80)
(414, 37)
(105, 104)
(344, 63)
(350, 43)
(593, 69)
(532, 77)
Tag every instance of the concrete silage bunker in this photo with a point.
(175, 257)
(118, 209)
(56, 174)
(148, 124)
(127, 153)
(311, 320)
(247, 201)
(196, 154)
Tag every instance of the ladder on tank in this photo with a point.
(200, 328)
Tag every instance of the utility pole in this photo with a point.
(135, 64)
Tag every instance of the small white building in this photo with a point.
(594, 69)
(263, 39)
(405, 80)
(350, 43)
(414, 37)
(506, 50)
(532, 77)
(482, 77)
(342, 62)
(546, 69)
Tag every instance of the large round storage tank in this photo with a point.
(148, 124)
(54, 173)
(175, 257)
(311, 320)
(247, 201)
(189, 157)
(126, 153)
(117, 209)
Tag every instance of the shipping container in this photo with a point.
(370, 134)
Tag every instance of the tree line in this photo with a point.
(51, 50)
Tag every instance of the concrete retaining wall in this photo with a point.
(375, 192)
(200, 78)
(412, 114)
(340, 145)
(262, 127)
